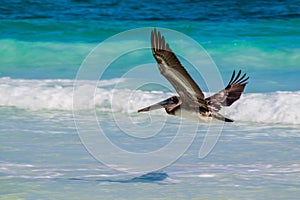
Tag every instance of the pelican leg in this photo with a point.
(220, 117)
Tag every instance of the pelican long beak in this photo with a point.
(162, 104)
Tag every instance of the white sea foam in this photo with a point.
(276, 107)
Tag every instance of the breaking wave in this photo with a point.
(275, 107)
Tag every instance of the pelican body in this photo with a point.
(191, 102)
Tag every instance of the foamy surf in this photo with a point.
(56, 94)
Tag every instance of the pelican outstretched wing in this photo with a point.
(171, 68)
(230, 94)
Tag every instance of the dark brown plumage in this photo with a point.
(171, 68)
(230, 94)
(191, 98)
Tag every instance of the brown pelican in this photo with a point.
(191, 102)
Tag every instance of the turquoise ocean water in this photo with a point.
(42, 46)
